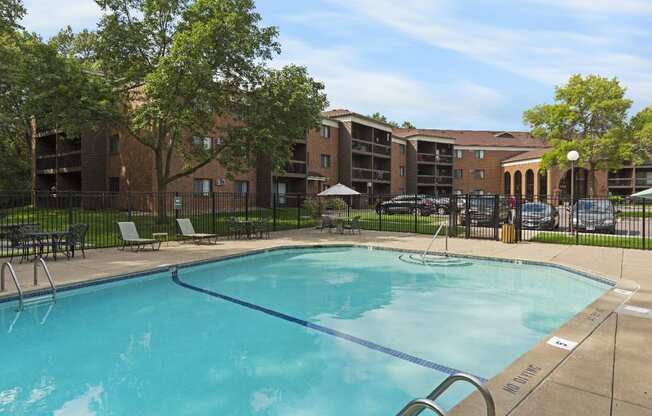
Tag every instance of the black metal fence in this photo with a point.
(596, 221)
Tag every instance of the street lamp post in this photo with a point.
(572, 156)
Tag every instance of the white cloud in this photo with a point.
(352, 84)
(600, 6)
(48, 16)
(545, 56)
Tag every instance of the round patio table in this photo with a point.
(45, 239)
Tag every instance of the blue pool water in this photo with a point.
(318, 332)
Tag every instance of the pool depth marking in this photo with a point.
(325, 330)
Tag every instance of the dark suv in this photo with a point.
(594, 215)
(407, 204)
(481, 210)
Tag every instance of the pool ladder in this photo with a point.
(418, 405)
(40, 263)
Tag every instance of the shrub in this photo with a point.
(335, 204)
(314, 206)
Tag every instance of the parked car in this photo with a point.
(481, 210)
(407, 204)
(594, 215)
(539, 216)
(442, 204)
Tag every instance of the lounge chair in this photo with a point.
(188, 232)
(130, 237)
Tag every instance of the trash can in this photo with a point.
(508, 233)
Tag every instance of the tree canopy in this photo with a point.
(180, 65)
(380, 117)
(589, 114)
(641, 136)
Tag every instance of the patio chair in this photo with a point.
(234, 229)
(21, 242)
(130, 237)
(353, 225)
(325, 223)
(188, 232)
(76, 238)
(261, 228)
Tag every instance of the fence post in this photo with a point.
(644, 226)
(298, 211)
(467, 217)
(70, 208)
(518, 217)
(496, 215)
(415, 214)
(213, 214)
(129, 205)
(380, 213)
(247, 205)
(274, 211)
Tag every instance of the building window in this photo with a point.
(479, 154)
(325, 161)
(202, 186)
(402, 147)
(401, 171)
(114, 184)
(458, 173)
(114, 144)
(205, 143)
(478, 173)
(459, 153)
(325, 132)
(242, 186)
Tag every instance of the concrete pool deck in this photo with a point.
(608, 373)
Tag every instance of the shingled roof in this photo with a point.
(478, 137)
(344, 112)
(532, 154)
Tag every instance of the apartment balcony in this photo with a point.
(296, 168)
(380, 150)
(644, 182)
(361, 147)
(620, 182)
(382, 175)
(361, 174)
(444, 180)
(69, 162)
(46, 164)
(425, 179)
(439, 159)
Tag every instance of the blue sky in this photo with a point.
(468, 64)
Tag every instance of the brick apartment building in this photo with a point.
(350, 148)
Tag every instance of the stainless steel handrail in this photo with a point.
(6, 266)
(417, 406)
(434, 237)
(41, 262)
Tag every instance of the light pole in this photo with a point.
(572, 156)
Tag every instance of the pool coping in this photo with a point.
(510, 387)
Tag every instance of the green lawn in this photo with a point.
(600, 240)
(636, 214)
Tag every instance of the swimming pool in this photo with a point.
(318, 331)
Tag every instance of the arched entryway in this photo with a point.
(518, 183)
(529, 185)
(543, 184)
(507, 183)
(581, 181)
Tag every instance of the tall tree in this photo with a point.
(38, 82)
(382, 118)
(641, 137)
(182, 64)
(589, 115)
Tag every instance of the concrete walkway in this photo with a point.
(608, 373)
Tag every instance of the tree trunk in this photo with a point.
(591, 181)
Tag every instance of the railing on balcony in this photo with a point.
(443, 158)
(70, 161)
(426, 179)
(382, 175)
(644, 182)
(361, 174)
(359, 146)
(46, 163)
(620, 182)
(296, 167)
(382, 150)
(444, 180)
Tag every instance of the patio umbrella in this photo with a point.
(339, 190)
(647, 194)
